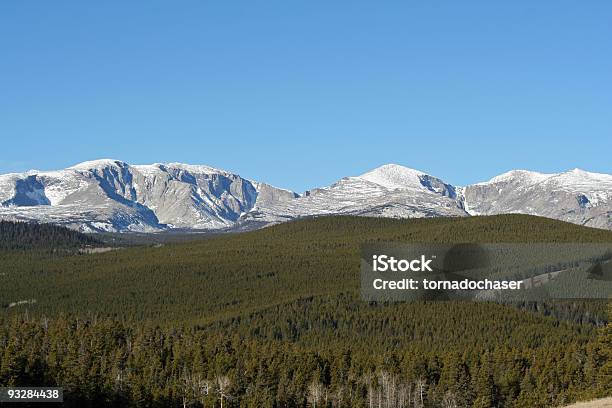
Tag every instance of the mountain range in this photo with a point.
(111, 195)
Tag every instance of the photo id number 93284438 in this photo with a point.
(31, 394)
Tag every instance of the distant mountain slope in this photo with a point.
(576, 196)
(390, 191)
(111, 195)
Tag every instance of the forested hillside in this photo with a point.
(273, 318)
(27, 235)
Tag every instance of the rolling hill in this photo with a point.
(275, 315)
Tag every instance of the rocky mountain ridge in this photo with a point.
(111, 195)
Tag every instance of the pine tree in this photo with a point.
(484, 386)
(605, 345)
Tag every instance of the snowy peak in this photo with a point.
(99, 164)
(576, 196)
(394, 176)
(582, 177)
(524, 176)
(106, 164)
(192, 168)
(575, 178)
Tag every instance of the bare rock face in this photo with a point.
(111, 195)
(575, 196)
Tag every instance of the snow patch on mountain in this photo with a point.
(394, 176)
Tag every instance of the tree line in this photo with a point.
(103, 362)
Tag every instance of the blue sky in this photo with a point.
(299, 94)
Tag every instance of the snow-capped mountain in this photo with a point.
(387, 191)
(576, 196)
(111, 195)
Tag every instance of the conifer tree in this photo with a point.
(605, 344)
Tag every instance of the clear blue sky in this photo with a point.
(301, 93)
